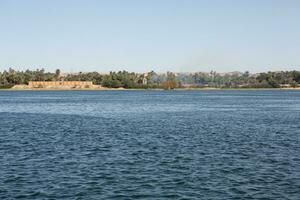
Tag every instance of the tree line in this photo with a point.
(169, 80)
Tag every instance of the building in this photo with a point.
(60, 84)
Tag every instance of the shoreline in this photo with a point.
(141, 89)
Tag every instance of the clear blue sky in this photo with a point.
(141, 35)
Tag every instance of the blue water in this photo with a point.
(150, 145)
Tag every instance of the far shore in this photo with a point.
(138, 89)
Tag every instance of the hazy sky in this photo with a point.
(141, 35)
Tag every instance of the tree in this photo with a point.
(57, 74)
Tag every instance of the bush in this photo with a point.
(169, 85)
(6, 86)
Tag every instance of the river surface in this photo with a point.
(150, 145)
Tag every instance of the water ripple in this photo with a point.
(150, 145)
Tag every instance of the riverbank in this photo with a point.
(138, 89)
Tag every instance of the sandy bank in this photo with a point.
(100, 88)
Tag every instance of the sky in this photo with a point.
(144, 35)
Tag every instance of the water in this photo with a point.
(150, 145)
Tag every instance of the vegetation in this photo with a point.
(169, 80)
